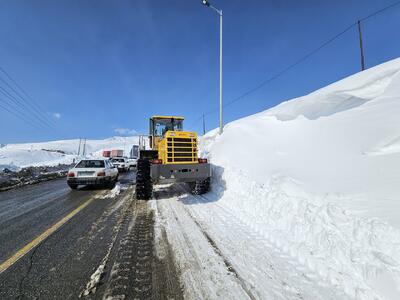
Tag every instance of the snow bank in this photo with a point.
(318, 176)
(15, 156)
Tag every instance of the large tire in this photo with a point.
(144, 186)
(73, 186)
(200, 187)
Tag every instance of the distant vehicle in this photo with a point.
(96, 172)
(134, 153)
(131, 162)
(121, 163)
(117, 153)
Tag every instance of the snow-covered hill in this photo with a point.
(14, 156)
(319, 177)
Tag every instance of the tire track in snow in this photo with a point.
(255, 257)
(95, 278)
(203, 272)
(226, 261)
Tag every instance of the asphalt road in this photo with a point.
(61, 265)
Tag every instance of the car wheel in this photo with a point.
(73, 186)
(111, 184)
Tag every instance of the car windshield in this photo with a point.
(118, 160)
(90, 164)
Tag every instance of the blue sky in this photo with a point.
(97, 68)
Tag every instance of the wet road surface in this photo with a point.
(103, 247)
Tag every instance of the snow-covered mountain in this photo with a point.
(52, 153)
(319, 177)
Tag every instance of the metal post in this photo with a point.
(361, 46)
(204, 125)
(84, 147)
(124, 144)
(221, 123)
(79, 148)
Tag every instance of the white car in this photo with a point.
(132, 162)
(121, 163)
(92, 172)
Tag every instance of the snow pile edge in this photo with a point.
(338, 247)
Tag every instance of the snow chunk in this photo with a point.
(112, 193)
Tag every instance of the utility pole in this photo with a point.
(79, 147)
(361, 46)
(219, 12)
(124, 144)
(84, 147)
(221, 122)
(204, 125)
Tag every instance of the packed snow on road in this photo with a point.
(304, 202)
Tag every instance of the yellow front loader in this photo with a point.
(172, 157)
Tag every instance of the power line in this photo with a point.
(283, 71)
(25, 107)
(380, 11)
(23, 91)
(288, 68)
(16, 105)
(299, 61)
(19, 116)
(37, 112)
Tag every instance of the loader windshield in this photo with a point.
(161, 126)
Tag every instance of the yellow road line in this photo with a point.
(28, 247)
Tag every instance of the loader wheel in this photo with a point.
(200, 187)
(144, 186)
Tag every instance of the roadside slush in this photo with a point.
(31, 175)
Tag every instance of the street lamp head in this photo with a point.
(206, 3)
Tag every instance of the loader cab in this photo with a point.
(160, 125)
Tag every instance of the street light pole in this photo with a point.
(221, 123)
